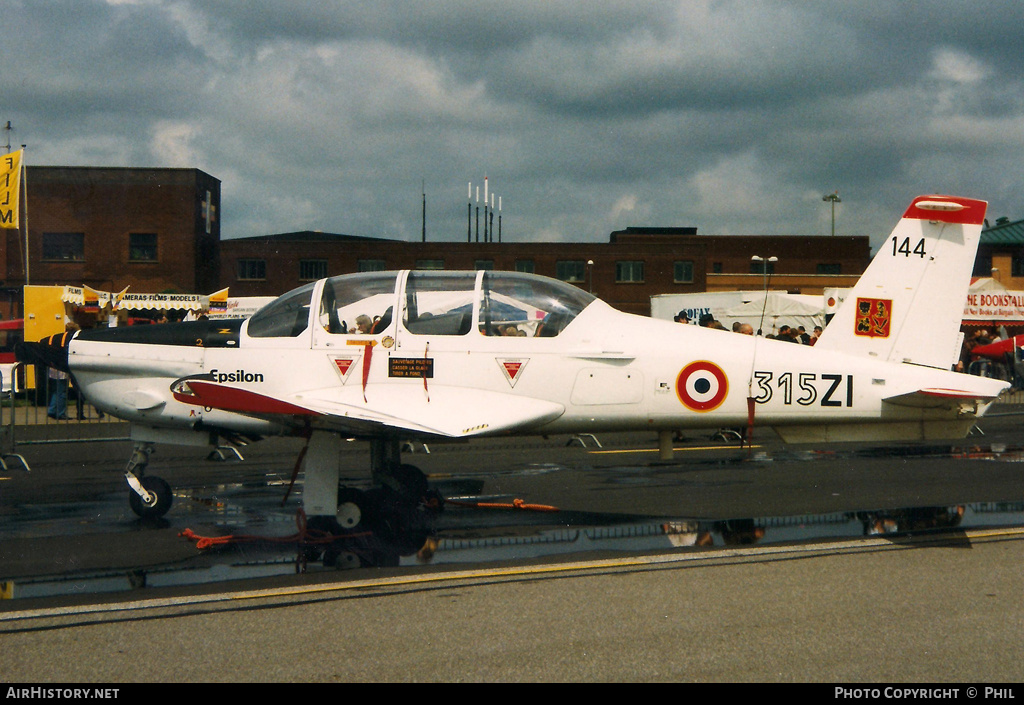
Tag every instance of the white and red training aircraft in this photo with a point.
(395, 356)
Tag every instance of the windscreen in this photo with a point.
(285, 317)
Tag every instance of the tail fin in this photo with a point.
(908, 305)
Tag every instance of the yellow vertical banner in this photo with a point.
(10, 188)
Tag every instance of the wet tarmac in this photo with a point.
(66, 530)
(552, 559)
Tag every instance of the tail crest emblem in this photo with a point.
(873, 317)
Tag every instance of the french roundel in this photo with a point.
(702, 386)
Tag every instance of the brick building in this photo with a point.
(158, 231)
(155, 230)
(1001, 253)
(626, 271)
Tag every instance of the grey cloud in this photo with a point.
(587, 116)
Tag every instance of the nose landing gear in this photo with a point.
(150, 496)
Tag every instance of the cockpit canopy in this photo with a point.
(429, 303)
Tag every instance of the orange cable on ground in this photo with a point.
(308, 536)
(304, 535)
(514, 504)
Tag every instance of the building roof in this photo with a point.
(1004, 232)
(652, 231)
(312, 236)
(117, 175)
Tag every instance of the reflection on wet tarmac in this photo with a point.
(256, 537)
(255, 557)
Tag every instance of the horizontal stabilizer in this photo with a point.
(935, 398)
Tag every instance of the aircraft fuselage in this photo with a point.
(606, 370)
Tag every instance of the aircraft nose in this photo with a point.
(51, 352)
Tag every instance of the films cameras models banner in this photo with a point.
(191, 302)
(93, 299)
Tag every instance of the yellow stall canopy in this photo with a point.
(48, 309)
(90, 299)
(94, 300)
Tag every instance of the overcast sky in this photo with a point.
(586, 116)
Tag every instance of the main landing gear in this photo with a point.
(374, 526)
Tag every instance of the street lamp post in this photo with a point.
(764, 268)
(764, 278)
(834, 199)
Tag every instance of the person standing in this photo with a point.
(58, 381)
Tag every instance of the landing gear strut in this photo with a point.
(150, 497)
(374, 526)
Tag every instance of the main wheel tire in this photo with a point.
(354, 518)
(353, 509)
(412, 484)
(160, 492)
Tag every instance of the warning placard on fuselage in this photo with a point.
(418, 367)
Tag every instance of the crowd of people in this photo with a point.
(1007, 366)
(976, 339)
(785, 333)
(968, 362)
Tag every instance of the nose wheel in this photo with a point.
(150, 497)
(154, 501)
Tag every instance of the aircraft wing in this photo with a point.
(453, 412)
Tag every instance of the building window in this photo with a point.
(371, 265)
(487, 264)
(252, 269)
(629, 272)
(430, 264)
(64, 247)
(833, 268)
(525, 265)
(142, 247)
(716, 267)
(682, 272)
(573, 270)
(762, 267)
(312, 269)
(1016, 265)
